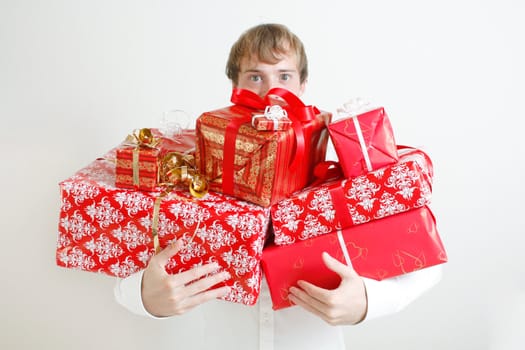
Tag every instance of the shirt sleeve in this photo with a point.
(394, 294)
(128, 294)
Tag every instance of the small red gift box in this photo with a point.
(364, 142)
(260, 167)
(137, 163)
(322, 209)
(274, 118)
(115, 231)
(380, 249)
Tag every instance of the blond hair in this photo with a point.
(268, 43)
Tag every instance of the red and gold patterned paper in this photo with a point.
(380, 249)
(261, 167)
(148, 160)
(261, 123)
(108, 230)
(377, 138)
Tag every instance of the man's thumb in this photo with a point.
(162, 258)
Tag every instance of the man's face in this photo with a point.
(259, 77)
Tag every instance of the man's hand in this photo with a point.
(167, 295)
(347, 304)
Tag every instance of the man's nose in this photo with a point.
(269, 84)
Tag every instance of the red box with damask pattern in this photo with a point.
(110, 230)
(343, 203)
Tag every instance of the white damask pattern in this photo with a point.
(238, 295)
(287, 213)
(124, 268)
(76, 258)
(322, 204)
(312, 227)
(216, 236)
(80, 191)
(76, 226)
(363, 190)
(131, 236)
(103, 213)
(190, 249)
(246, 224)
(103, 248)
(240, 260)
(134, 202)
(189, 213)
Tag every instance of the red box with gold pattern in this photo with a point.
(260, 166)
(380, 249)
(137, 163)
(115, 231)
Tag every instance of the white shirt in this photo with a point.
(227, 325)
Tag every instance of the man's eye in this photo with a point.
(255, 78)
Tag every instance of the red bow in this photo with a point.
(297, 111)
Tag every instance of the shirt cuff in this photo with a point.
(128, 293)
(394, 294)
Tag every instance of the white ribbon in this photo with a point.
(343, 248)
(353, 109)
(362, 143)
(274, 113)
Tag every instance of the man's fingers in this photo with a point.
(343, 270)
(196, 300)
(161, 259)
(200, 285)
(196, 273)
(309, 294)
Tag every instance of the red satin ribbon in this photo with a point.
(326, 171)
(342, 214)
(298, 112)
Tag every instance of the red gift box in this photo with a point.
(379, 249)
(339, 204)
(260, 167)
(137, 165)
(114, 231)
(364, 142)
(274, 118)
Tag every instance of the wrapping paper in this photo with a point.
(110, 230)
(259, 166)
(379, 249)
(364, 142)
(274, 118)
(322, 209)
(148, 160)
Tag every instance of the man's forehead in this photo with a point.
(284, 62)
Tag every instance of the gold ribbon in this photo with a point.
(179, 169)
(155, 223)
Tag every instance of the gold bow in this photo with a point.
(179, 168)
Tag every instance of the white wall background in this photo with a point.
(77, 76)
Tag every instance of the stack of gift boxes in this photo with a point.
(250, 189)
